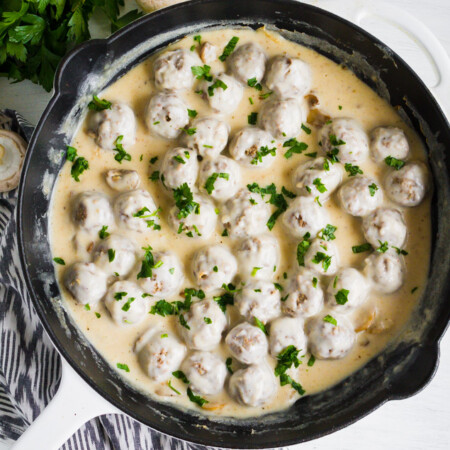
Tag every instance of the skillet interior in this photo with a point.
(401, 370)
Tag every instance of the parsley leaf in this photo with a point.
(302, 248)
(253, 82)
(121, 153)
(184, 200)
(261, 153)
(252, 118)
(260, 325)
(342, 296)
(228, 363)
(372, 189)
(286, 379)
(103, 234)
(200, 401)
(330, 319)
(180, 375)
(215, 85)
(59, 261)
(327, 233)
(97, 104)
(78, 167)
(294, 147)
(361, 248)
(397, 164)
(148, 263)
(229, 48)
(323, 258)
(352, 170)
(209, 184)
(202, 72)
(286, 358)
(123, 367)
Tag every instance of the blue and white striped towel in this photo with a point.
(30, 367)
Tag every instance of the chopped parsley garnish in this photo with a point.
(287, 193)
(326, 165)
(323, 258)
(362, 248)
(189, 132)
(256, 290)
(97, 314)
(78, 167)
(286, 379)
(173, 389)
(340, 107)
(120, 295)
(400, 251)
(302, 248)
(336, 278)
(228, 363)
(311, 155)
(202, 72)
(352, 170)
(180, 375)
(172, 270)
(103, 234)
(148, 263)
(294, 147)
(71, 153)
(59, 261)
(283, 299)
(87, 307)
(207, 320)
(251, 101)
(253, 82)
(334, 141)
(341, 296)
(209, 184)
(255, 270)
(97, 104)
(179, 159)
(227, 298)
(229, 48)
(286, 358)
(261, 153)
(316, 199)
(200, 401)
(278, 286)
(184, 200)
(121, 153)
(153, 160)
(192, 113)
(319, 185)
(327, 233)
(372, 189)
(183, 322)
(330, 319)
(266, 95)
(383, 248)
(123, 367)
(306, 129)
(154, 176)
(127, 304)
(111, 254)
(164, 335)
(314, 282)
(414, 289)
(260, 325)
(224, 233)
(217, 84)
(149, 218)
(397, 164)
(198, 39)
(311, 361)
(156, 123)
(252, 118)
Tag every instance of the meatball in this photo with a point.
(287, 331)
(329, 341)
(304, 215)
(205, 371)
(166, 115)
(213, 266)
(210, 137)
(203, 326)
(304, 295)
(86, 282)
(125, 303)
(136, 210)
(388, 141)
(179, 166)
(347, 290)
(248, 62)
(323, 257)
(253, 386)
(245, 214)
(115, 255)
(386, 271)
(166, 278)
(288, 77)
(122, 180)
(159, 354)
(220, 178)
(262, 252)
(282, 118)
(317, 178)
(248, 344)
(385, 225)
(407, 186)
(91, 210)
(223, 94)
(260, 299)
(200, 225)
(359, 197)
(345, 139)
(173, 69)
(245, 145)
(109, 124)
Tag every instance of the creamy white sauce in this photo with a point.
(341, 94)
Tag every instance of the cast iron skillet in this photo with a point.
(400, 371)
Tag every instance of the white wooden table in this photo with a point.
(420, 422)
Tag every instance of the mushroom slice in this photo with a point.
(12, 153)
(122, 180)
(317, 118)
(365, 319)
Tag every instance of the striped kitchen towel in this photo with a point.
(30, 367)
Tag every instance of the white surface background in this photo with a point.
(420, 422)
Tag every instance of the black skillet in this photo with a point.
(400, 371)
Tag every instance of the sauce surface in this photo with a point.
(340, 94)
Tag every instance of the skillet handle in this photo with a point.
(357, 10)
(74, 403)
